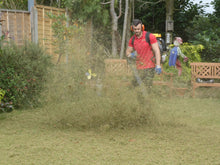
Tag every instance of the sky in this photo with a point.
(208, 9)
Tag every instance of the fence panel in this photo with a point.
(16, 25)
(45, 32)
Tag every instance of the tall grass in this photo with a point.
(74, 101)
(79, 103)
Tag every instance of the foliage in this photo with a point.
(154, 18)
(14, 4)
(4, 107)
(53, 3)
(205, 30)
(62, 32)
(23, 4)
(82, 11)
(184, 13)
(193, 53)
(2, 94)
(216, 4)
(23, 72)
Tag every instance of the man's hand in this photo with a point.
(129, 51)
(158, 69)
(132, 55)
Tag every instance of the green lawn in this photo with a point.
(189, 133)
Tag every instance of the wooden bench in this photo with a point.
(120, 67)
(203, 70)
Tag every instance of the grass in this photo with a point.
(75, 126)
(188, 133)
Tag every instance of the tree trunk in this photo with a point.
(169, 21)
(130, 17)
(114, 28)
(124, 29)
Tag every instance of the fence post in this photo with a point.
(34, 25)
(30, 4)
(1, 23)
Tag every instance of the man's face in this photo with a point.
(137, 30)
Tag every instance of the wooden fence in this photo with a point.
(15, 25)
(20, 26)
(45, 32)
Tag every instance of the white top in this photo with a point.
(179, 52)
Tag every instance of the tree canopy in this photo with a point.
(190, 20)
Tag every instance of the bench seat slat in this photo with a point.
(208, 84)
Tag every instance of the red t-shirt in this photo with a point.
(144, 51)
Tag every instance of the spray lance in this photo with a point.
(135, 72)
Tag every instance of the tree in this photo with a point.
(152, 13)
(127, 17)
(124, 28)
(96, 15)
(185, 11)
(115, 18)
(216, 4)
(205, 30)
(169, 20)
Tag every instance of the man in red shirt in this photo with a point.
(145, 58)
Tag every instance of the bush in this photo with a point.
(4, 107)
(193, 54)
(23, 72)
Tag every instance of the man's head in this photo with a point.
(137, 27)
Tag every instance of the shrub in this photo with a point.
(193, 54)
(23, 72)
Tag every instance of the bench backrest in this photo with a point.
(205, 70)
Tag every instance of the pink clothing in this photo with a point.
(179, 67)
